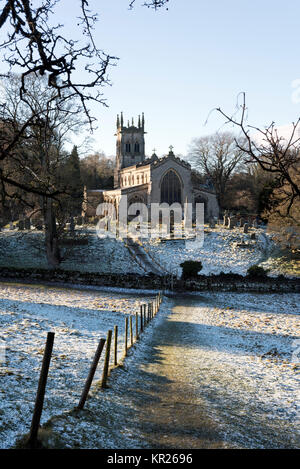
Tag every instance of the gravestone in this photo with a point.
(246, 226)
(27, 224)
(39, 225)
(20, 225)
(72, 225)
(231, 223)
(79, 221)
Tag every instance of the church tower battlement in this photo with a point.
(130, 145)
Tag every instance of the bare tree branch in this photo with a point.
(272, 153)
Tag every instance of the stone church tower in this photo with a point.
(130, 145)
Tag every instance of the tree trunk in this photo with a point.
(51, 236)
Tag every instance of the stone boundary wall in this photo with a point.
(222, 282)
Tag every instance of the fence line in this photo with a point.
(147, 313)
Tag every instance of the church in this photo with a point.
(153, 180)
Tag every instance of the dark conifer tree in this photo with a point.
(74, 182)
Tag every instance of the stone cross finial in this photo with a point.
(171, 148)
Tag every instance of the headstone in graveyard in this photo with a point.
(246, 227)
(231, 223)
(20, 225)
(39, 225)
(27, 224)
(72, 225)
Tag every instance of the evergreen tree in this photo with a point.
(73, 180)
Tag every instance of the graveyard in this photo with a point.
(226, 249)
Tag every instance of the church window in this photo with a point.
(170, 191)
(127, 147)
(136, 147)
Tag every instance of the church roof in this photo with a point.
(159, 161)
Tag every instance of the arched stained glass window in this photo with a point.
(170, 191)
(136, 147)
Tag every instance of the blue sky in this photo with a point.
(177, 65)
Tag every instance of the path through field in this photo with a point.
(205, 375)
(218, 370)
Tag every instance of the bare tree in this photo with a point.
(97, 171)
(37, 162)
(35, 42)
(273, 153)
(216, 156)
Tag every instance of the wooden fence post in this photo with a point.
(126, 335)
(106, 360)
(141, 314)
(39, 401)
(116, 345)
(131, 331)
(136, 326)
(91, 374)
